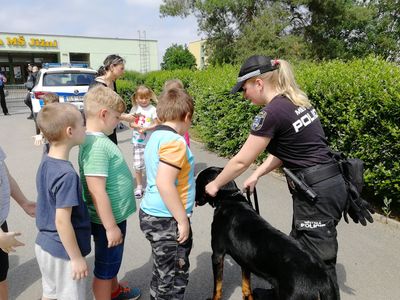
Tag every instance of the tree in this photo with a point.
(269, 34)
(178, 57)
(318, 29)
(220, 20)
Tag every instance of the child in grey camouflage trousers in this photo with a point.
(169, 197)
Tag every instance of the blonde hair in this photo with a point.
(50, 98)
(143, 91)
(173, 83)
(54, 118)
(99, 97)
(283, 80)
(174, 104)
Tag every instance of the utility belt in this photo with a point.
(318, 173)
(301, 180)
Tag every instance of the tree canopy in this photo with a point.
(316, 29)
(178, 57)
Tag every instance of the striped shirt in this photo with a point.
(169, 147)
(99, 156)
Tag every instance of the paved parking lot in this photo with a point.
(368, 263)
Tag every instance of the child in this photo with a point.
(107, 190)
(169, 197)
(8, 242)
(178, 84)
(145, 121)
(39, 139)
(62, 219)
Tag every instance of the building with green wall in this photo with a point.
(17, 50)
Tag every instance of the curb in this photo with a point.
(386, 221)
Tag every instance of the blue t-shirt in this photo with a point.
(58, 186)
(166, 146)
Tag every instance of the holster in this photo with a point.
(315, 174)
(353, 173)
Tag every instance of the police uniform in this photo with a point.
(298, 140)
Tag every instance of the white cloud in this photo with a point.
(145, 3)
(117, 19)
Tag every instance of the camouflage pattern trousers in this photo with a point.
(170, 259)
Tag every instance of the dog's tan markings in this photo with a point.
(218, 290)
(246, 285)
(218, 270)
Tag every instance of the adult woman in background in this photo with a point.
(113, 68)
(288, 127)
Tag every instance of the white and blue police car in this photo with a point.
(69, 81)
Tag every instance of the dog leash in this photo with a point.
(248, 197)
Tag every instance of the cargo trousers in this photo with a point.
(170, 274)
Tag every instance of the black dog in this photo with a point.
(259, 248)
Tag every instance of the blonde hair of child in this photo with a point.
(99, 97)
(284, 82)
(50, 98)
(174, 104)
(54, 118)
(143, 91)
(173, 83)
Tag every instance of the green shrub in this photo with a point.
(359, 106)
(358, 103)
(125, 89)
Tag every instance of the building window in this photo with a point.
(79, 58)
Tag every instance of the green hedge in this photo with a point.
(358, 103)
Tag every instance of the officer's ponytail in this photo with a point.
(283, 80)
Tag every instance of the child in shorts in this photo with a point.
(8, 241)
(62, 218)
(107, 190)
(145, 121)
(39, 139)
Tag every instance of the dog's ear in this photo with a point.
(204, 178)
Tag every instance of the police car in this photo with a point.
(69, 81)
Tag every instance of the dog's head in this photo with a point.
(204, 178)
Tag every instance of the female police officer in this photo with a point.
(289, 128)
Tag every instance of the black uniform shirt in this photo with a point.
(297, 137)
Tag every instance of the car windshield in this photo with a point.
(68, 79)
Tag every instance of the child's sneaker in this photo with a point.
(125, 292)
(139, 192)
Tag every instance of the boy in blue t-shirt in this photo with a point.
(169, 197)
(62, 218)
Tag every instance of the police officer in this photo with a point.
(288, 127)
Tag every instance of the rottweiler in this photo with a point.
(259, 248)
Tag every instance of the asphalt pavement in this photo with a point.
(368, 263)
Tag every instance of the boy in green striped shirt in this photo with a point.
(107, 190)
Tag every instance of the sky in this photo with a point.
(98, 18)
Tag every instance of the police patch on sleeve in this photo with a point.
(259, 121)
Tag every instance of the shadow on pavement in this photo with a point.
(21, 277)
(341, 275)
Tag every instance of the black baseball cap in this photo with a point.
(253, 66)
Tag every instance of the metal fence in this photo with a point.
(15, 96)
